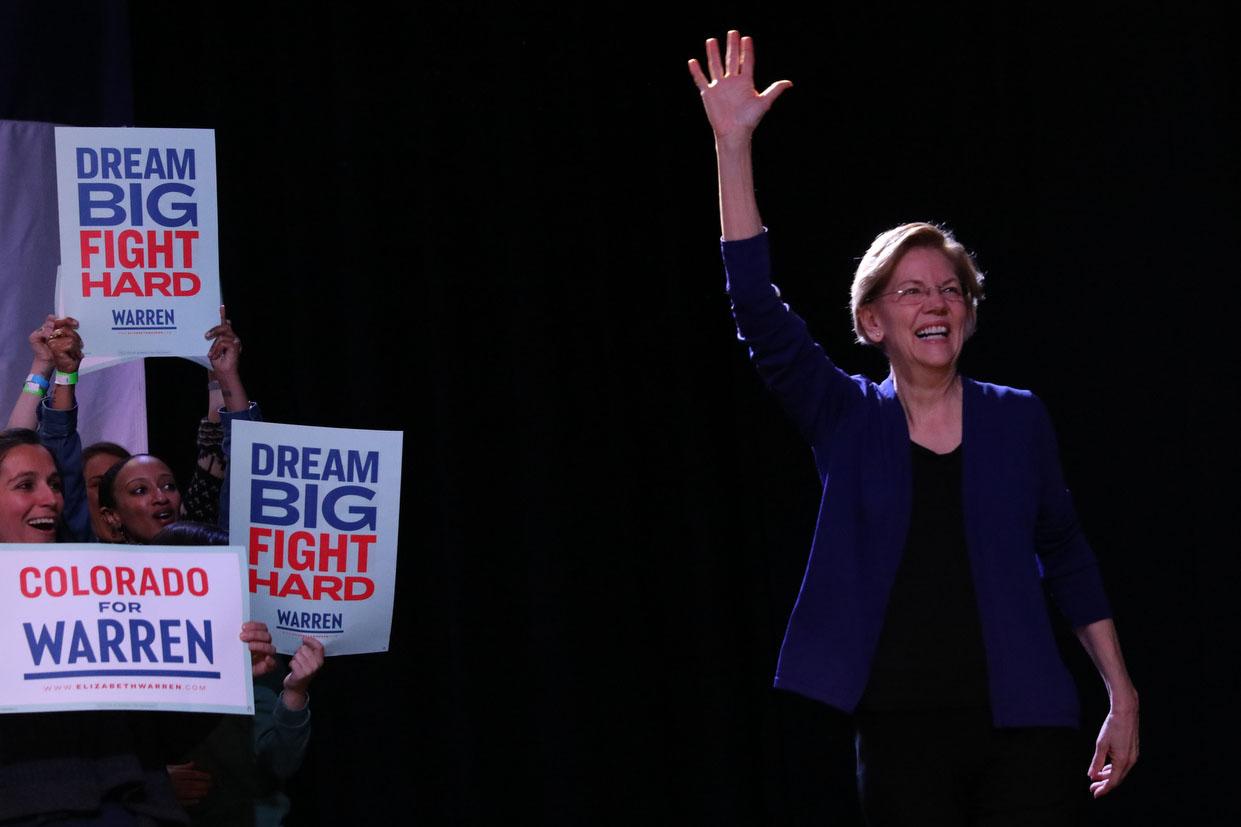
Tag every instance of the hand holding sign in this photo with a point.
(306, 662)
(225, 357)
(43, 361)
(225, 350)
(25, 413)
(65, 345)
(262, 653)
(66, 348)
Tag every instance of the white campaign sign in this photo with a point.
(123, 627)
(318, 510)
(139, 258)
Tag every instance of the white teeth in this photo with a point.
(934, 330)
(41, 522)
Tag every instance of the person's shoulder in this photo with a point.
(1001, 393)
(1004, 399)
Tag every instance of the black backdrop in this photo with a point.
(495, 231)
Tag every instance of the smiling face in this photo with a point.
(147, 499)
(921, 335)
(30, 497)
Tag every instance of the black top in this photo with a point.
(930, 653)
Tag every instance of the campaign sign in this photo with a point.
(139, 263)
(317, 510)
(123, 627)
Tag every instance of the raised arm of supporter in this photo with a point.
(225, 357)
(282, 726)
(66, 347)
(201, 501)
(734, 109)
(58, 428)
(215, 397)
(304, 665)
(25, 413)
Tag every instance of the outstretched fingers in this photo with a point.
(732, 52)
(747, 56)
(695, 71)
(714, 64)
(738, 60)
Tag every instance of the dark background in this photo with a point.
(495, 230)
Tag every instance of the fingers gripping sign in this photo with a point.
(304, 665)
(225, 358)
(225, 349)
(734, 107)
(43, 360)
(64, 344)
(262, 651)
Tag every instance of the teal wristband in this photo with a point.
(37, 379)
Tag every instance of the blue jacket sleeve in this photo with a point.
(1070, 570)
(813, 391)
(58, 431)
(253, 414)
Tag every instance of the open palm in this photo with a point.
(734, 107)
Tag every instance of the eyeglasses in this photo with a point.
(918, 293)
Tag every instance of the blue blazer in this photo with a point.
(1021, 529)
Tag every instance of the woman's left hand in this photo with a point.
(262, 651)
(1116, 751)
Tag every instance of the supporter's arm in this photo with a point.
(282, 725)
(58, 430)
(201, 501)
(225, 357)
(25, 413)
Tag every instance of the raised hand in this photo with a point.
(64, 344)
(43, 360)
(225, 352)
(734, 107)
(304, 665)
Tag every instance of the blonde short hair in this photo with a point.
(875, 268)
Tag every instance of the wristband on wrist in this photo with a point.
(36, 385)
(213, 385)
(66, 378)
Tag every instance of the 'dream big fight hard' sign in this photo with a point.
(139, 263)
(115, 627)
(318, 510)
